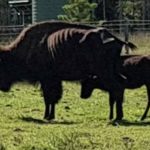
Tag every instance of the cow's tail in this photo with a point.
(131, 45)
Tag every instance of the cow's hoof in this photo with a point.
(142, 118)
(113, 122)
(52, 121)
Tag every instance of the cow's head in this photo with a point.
(107, 43)
(106, 49)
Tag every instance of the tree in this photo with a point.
(130, 9)
(78, 11)
(106, 9)
(146, 9)
(87, 10)
(122, 9)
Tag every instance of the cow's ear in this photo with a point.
(94, 77)
(105, 36)
(86, 36)
(89, 34)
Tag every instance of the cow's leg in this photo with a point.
(52, 92)
(119, 102)
(111, 105)
(148, 103)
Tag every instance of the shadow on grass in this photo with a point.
(130, 123)
(39, 121)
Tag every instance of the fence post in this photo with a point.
(126, 34)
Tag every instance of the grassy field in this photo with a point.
(80, 124)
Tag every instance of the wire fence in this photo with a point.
(10, 32)
(123, 28)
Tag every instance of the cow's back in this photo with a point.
(32, 38)
(136, 70)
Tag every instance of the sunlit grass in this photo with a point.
(142, 41)
(80, 124)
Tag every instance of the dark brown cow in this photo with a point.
(54, 51)
(136, 70)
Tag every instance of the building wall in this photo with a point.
(46, 9)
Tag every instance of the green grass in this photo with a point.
(80, 124)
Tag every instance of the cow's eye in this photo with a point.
(94, 77)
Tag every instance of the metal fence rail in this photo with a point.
(115, 25)
(128, 25)
(122, 27)
(10, 31)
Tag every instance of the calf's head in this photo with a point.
(89, 84)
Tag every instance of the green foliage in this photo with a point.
(82, 10)
(130, 9)
(80, 124)
(78, 11)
